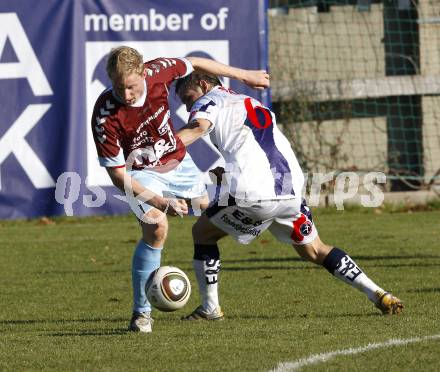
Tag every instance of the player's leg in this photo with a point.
(315, 252)
(300, 231)
(206, 263)
(148, 251)
(343, 267)
(146, 259)
(243, 223)
(197, 205)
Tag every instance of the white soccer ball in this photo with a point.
(168, 288)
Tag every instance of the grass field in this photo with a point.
(66, 299)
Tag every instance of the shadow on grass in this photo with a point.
(403, 265)
(346, 315)
(309, 266)
(364, 258)
(61, 321)
(404, 257)
(81, 272)
(299, 259)
(257, 268)
(316, 267)
(91, 332)
(423, 290)
(304, 316)
(275, 259)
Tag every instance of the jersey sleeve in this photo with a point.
(206, 109)
(166, 70)
(105, 135)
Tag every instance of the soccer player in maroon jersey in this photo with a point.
(137, 145)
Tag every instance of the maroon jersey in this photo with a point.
(145, 132)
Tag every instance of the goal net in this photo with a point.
(356, 85)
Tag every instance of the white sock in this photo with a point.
(342, 266)
(207, 278)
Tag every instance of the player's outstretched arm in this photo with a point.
(192, 131)
(257, 79)
(130, 186)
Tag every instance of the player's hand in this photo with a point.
(257, 79)
(176, 207)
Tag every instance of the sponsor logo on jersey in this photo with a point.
(239, 227)
(151, 117)
(164, 127)
(245, 219)
(302, 227)
(141, 139)
(152, 154)
(306, 228)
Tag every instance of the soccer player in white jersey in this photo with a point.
(136, 143)
(265, 187)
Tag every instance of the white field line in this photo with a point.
(324, 357)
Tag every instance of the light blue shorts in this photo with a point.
(184, 182)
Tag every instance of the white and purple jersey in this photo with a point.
(260, 163)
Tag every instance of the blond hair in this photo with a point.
(123, 61)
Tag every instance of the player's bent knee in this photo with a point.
(198, 232)
(155, 234)
(204, 232)
(199, 204)
(315, 251)
(322, 250)
(307, 252)
(155, 229)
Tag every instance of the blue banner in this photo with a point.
(52, 69)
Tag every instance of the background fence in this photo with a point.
(356, 84)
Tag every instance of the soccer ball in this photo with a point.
(168, 288)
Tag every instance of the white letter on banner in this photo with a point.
(157, 21)
(28, 66)
(209, 21)
(13, 142)
(222, 15)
